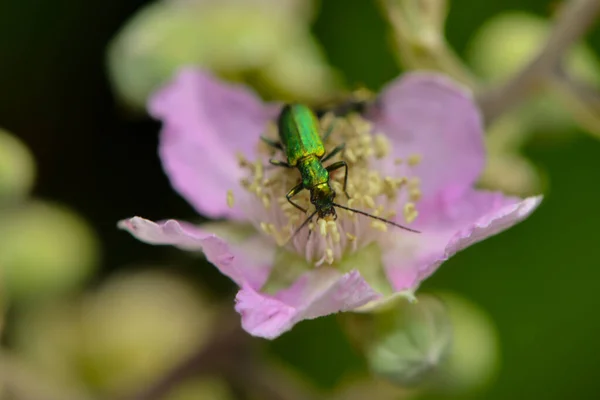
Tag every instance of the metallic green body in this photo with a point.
(304, 149)
(299, 133)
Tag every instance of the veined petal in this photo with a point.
(320, 292)
(241, 266)
(428, 115)
(206, 124)
(475, 216)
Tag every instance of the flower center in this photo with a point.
(378, 184)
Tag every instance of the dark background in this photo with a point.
(539, 281)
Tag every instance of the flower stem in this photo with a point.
(573, 21)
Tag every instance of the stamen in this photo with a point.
(415, 194)
(350, 155)
(265, 227)
(410, 212)
(258, 170)
(414, 159)
(332, 227)
(414, 182)
(322, 227)
(382, 146)
(230, 199)
(379, 225)
(329, 256)
(378, 193)
(369, 201)
(266, 202)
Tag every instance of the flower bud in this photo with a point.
(45, 249)
(119, 338)
(405, 342)
(418, 27)
(17, 168)
(265, 42)
(472, 361)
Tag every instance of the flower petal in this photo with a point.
(477, 215)
(206, 124)
(245, 268)
(320, 292)
(429, 115)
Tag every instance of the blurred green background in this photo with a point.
(537, 282)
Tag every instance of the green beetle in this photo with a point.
(303, 146)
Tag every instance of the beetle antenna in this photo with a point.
(306, 221)
(387, 221)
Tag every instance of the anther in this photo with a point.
(258, 170)
(329, 256)
(382, 146)
(323, 227)
(410, 212)
(265, 227)
(230, 199)
(414, 159)
(414, 182)
(266, 202)
(350, 155)
(369, 201)
(381, 226)
(415, 194)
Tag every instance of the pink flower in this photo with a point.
(414, 161)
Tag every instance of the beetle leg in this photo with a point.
(294, 191)
(272, 143)
(334, 152)
(278, 163)
(338, 165)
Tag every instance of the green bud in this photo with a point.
(406, 342)
(17, 168)
(45, 249)
(473, 359)
(418, 28)
(129, 332)
(253, 41)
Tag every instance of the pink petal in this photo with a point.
(428, 114)
(234, 262)
(206, 123)
(320, 292)
(475, 216)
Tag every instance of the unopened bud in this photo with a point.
(17, 168)
(418, 27)
(406, 342)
